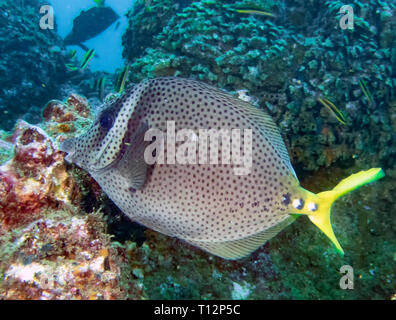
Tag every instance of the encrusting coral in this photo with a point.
(50, 249)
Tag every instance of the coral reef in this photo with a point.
(49, 247)
(61, 257)
(33, 61)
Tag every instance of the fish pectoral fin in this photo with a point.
(321, 217)
(236, 249)
(132, 166)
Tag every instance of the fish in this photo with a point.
(366, 91)
(90, 23)
(258, 12)
(87, 58)
(71, 67)
(117, 26)
(73, 54)
(122, 79)
(218, 208)
(333, 109)
(100, 86)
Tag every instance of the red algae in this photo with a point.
(79, 104)
(57, 111)
(66, 118)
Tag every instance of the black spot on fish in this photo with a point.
(286, 199)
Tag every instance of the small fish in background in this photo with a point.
(121, 80)
(73, 54)
(71, 67)
(206, 205)
(99, 3)
(100, 85)
(334, 110)
(4, 11)
(84, 63)
(243, 94)
(256, 12)
(366, 91)
(90, 23)
(87, 58)
(117, 25)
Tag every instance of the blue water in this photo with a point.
(108, 44)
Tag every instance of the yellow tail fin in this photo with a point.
(324, 200)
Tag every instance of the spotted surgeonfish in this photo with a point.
(225, 207)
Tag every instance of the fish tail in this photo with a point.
(325, 200)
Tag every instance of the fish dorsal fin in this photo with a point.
(132, 165)
(236, 249)
(269, 129)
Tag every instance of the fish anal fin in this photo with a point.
(236, 249)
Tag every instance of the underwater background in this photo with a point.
(330, 90)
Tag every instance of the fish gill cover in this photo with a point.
(289, 58)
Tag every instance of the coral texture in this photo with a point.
(49, 247)
(33, 64)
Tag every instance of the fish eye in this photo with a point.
(298, 204)
(106, 121)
